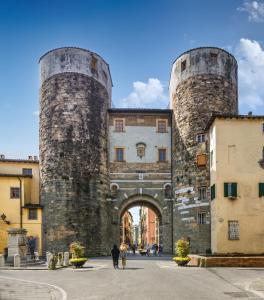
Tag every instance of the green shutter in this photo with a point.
(234, 189)
(225, 189)
(261, 189)
(213, 192)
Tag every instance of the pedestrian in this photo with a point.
(32, 246)
(134, 249)
(156, 249)
(115, 256)
(148, 250)
(160, 250)
(123, 254)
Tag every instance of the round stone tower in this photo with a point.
(75, 94)
(203, 81)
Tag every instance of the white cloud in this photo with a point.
(255, 10)
(149, 95)
(250, 57)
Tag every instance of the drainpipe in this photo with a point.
(20, 202)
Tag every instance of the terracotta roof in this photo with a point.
(231, 116)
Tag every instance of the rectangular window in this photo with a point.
(202, 193)
(230, 189)
(32, 214)
(233, 230)
(213, 192)
(162, 155)
(261, 189)
(200, 138)
(201, 218)
(162, 126)
(183, 65)
(26, 171)
(119, 154)
(119, 125)
(14, 193)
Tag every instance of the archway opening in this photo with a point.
(141, 227)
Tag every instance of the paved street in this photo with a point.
(144, 278)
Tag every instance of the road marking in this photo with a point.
(63, 293)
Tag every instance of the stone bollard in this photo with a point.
(17, 261)
(66, 259)
(36, 255)
(2, 260)
(60, 258)
(49, 258)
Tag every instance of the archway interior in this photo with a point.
(140, 224)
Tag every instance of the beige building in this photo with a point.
(237, 184)
(19, 199)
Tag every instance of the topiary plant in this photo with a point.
(182, 248)
(77, 250)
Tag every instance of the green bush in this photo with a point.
(77, 250)
(182, 248)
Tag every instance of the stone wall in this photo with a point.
(206, 85)
(74, 162)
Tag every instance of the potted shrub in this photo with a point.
(182, 249)
(77, 253)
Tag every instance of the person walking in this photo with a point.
(32, 246)
(123, 254)
(115, 256)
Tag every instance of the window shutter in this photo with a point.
(225, 189)
(261, 189)
(213, 192)
(234, 189)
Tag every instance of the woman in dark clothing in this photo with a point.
(115, 256)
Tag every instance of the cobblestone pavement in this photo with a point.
(18, 289)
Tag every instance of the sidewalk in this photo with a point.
(18, 289)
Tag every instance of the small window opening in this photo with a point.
(183, 65)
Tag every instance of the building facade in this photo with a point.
(19, 199)
(97, 161)
(237, 183)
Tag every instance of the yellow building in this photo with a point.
(19, 198)
(237, 184)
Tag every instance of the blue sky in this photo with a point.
(139, 39)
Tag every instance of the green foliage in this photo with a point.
(77, 250)
(182, 248)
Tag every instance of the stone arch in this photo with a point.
(141, 200)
